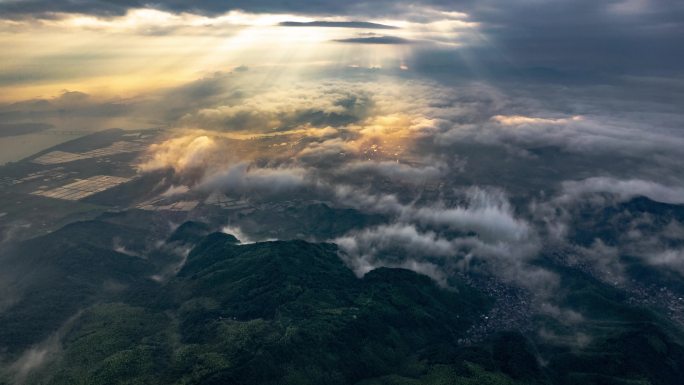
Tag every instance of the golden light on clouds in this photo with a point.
(181, 153)
(149, 49)
(135, 63)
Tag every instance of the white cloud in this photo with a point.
(181, 154)
(397, 171)
(520, 120)
(483, 229)
(624, 189)
(243, 178)
(670, 258)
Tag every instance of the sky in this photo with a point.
(513, 111)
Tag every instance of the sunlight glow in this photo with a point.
(147, 49)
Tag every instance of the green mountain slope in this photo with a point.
(275, 312)
(291, 312)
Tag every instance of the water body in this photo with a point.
(14, 148)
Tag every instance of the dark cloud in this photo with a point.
(375, 40)
(337, 24)
(600, 36)
(43, 8)
(17, 9)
